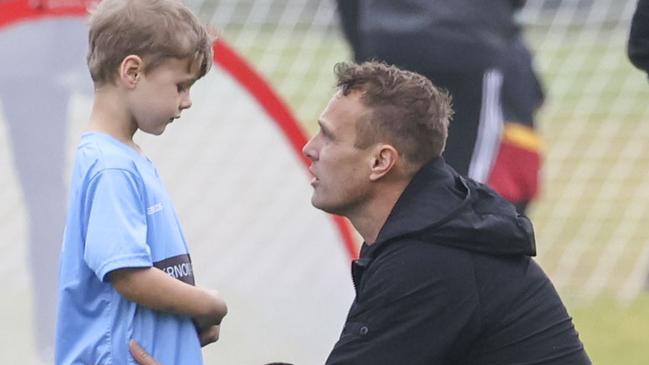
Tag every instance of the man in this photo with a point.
(445, 274)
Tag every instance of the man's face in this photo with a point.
(341, 183)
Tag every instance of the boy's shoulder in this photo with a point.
(97, 152)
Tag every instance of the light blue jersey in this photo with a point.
(119, 216)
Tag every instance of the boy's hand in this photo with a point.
(209, 335)
(140, 355)
(218, 310)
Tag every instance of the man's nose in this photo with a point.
(309, 151)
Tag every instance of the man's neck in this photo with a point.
(370, 219)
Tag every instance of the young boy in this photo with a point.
(125, 271)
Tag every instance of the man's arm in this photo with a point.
(155, 289)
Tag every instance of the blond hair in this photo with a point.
(152, 29)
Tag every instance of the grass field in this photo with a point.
(613, 333)
(592, 234)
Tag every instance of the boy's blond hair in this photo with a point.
(152, 29)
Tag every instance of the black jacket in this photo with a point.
(450, 280)
(638, 47)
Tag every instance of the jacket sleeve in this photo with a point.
(515, 173)
(415, 305)
(638, 46)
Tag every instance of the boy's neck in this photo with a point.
(110, 115)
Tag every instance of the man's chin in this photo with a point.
(314, 202)
(323, 207)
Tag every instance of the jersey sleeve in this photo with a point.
(116, 223)
(411, 308)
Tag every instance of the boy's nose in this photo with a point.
(186, 102)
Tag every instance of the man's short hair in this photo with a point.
(152, 29)
(405, 109)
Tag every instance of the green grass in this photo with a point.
(615, 334)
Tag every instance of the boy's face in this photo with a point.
(162, 94)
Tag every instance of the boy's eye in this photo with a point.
(184, 86)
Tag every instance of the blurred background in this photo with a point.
(254, 235)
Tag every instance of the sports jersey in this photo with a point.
(119, 216)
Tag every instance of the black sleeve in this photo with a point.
(416, 305)
(638, 47)
(349, 13)
(522, 91)
(518, 4)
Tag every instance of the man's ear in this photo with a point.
(383, 161)
(130, 70)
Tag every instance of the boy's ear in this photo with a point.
(383, 160)
(130, 70)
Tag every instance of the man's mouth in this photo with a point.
(314, 178)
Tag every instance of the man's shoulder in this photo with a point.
(422, 251)
(409, 261)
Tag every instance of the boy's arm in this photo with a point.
(155, 289)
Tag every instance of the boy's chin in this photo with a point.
(155, 132)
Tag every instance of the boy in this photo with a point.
(125, 269)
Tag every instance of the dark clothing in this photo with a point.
(450, 280)
(638, 47)
(423, 26)
(457, 44)
(522, 90)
